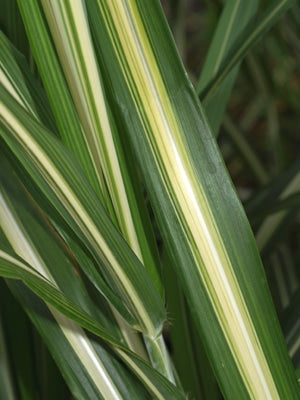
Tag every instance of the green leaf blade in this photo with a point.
(200, 217)
(79, 62)
(235, 15)
(55, 84)
(253, 31)
(50, 175)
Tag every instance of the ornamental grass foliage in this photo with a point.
(149, 200)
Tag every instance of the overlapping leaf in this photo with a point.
(199, 215)
(77, 343)
(56, 173)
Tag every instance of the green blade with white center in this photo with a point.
(70, 34)
(33, 238)
(59, 96)
(14, 268)
(200, 217)
(22, 85)
(58, 176)
(135, 222)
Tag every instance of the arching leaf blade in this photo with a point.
(44, 151)
(193, 198)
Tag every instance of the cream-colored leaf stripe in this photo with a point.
(68, 198)
(140, 373)
(130, 336)
(164, 135)
(9, 85)
(22, 244)
(70, 30)
(68, 23)
(74, 334)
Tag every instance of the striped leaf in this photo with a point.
(54, 171)
(86, 366)
(92, 355)
(200, 217)
(135, 226)
(64, 111)
(93, 364)
(106, 158)
(119, 96)
(18, 80)
(98, 382)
